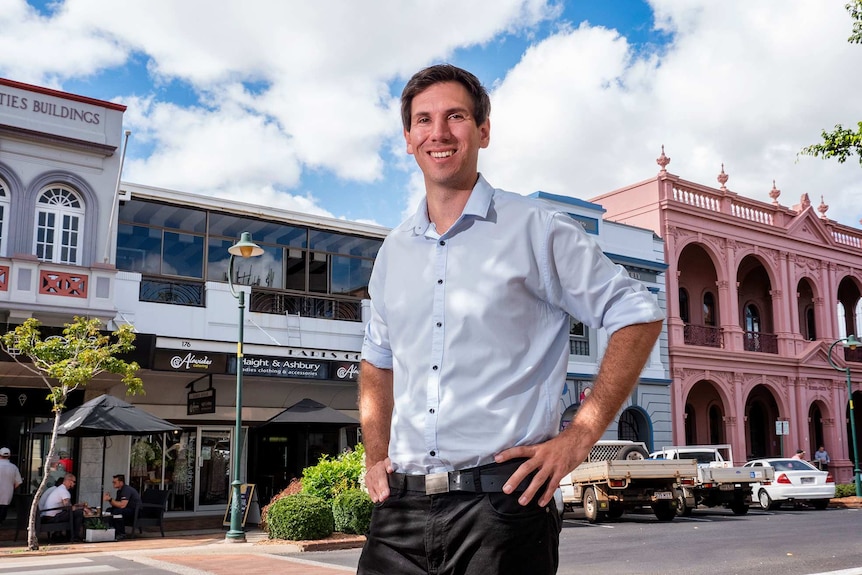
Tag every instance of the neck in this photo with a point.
(446, 204)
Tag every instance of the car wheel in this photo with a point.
(664, 511)
(820, 504)
(739, 507)
(682, 509)
(615, 511)
(591, 505)
(633, 453)
(765, 500)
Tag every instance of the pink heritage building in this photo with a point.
(757, 294)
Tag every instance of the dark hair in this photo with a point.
(120, 477)
(427, 77)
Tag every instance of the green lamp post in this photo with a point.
(851, 342)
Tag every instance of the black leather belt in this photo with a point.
(485, 479)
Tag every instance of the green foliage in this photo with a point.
(855, 10)
(95, 523)
(332, 476)
(352, 511)
(840, 144)
(75, 358)
(845, 490)
(299, 517)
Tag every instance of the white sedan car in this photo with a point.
(795, 480)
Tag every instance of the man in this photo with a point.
(466, 350)
(58, 506)
(800, 454)
(123, 505)
(45, 494)
(10, 479)
(821, 456)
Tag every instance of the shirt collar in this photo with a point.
(478, 206)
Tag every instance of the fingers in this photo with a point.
(377, 481)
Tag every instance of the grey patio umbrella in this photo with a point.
(310, 412)
(103, 416)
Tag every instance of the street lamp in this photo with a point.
(245, 248)
(851, 342)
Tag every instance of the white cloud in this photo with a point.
(746, 84)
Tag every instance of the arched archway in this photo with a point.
(705, 410)
(634, 425)
(816, 435)
(761, 413)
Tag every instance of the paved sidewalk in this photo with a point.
(203, 553)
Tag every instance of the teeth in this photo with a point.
(445, 154)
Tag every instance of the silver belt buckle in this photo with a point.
(437, 483)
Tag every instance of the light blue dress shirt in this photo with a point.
(475, 325)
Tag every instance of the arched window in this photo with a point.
(708, 309)
(59, 221)
(683, 305)
(4, 216)
(752, 318)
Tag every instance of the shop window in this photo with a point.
(59, 221)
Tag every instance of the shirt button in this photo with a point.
(431, 410)
(439, 324)
(439, 282)
(442, 242)
(434, 368)
(433, 454)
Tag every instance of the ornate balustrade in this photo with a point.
(702, 335)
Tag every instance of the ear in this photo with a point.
(407, 140)
(485, 133)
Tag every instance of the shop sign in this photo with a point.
(281, 367)
(344, 370)
(200, 402)
(189, 361)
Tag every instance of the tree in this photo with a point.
(66, 363)
(842, 142)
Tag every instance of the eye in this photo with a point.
(456, 116)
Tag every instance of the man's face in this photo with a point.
(444, 137)
(116, 483)
(69, 482)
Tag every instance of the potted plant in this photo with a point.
(96, 529)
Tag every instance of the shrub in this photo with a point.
(845, 490)
(352, 511)
(294, 487)
(332, 476)
(299, 517)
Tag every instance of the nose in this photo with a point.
(440, 129)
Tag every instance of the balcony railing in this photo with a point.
(173, 292)
(579, 347)
(702, 335)
(305, 306)
(759, 341)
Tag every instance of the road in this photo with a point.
(710, 542)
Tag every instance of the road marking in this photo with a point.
(853, 571)
(63, 570)
(39, 561)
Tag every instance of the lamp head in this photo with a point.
(852, 342)
(245, 247)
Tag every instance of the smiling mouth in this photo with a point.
(445, 154)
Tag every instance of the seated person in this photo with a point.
(123, 505)
(44, 499)
(61, 498)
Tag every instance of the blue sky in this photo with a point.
(289, 105)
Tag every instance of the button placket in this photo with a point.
(432, 420)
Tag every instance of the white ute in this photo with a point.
(617, 477)
(718, 482)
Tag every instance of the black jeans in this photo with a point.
(461, 533)
(122, 517)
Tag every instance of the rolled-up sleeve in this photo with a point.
(375, 345)
(588, 285)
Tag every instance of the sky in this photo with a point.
(295, 104)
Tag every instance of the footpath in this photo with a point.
(203, 552)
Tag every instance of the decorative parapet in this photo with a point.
(62, 283)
